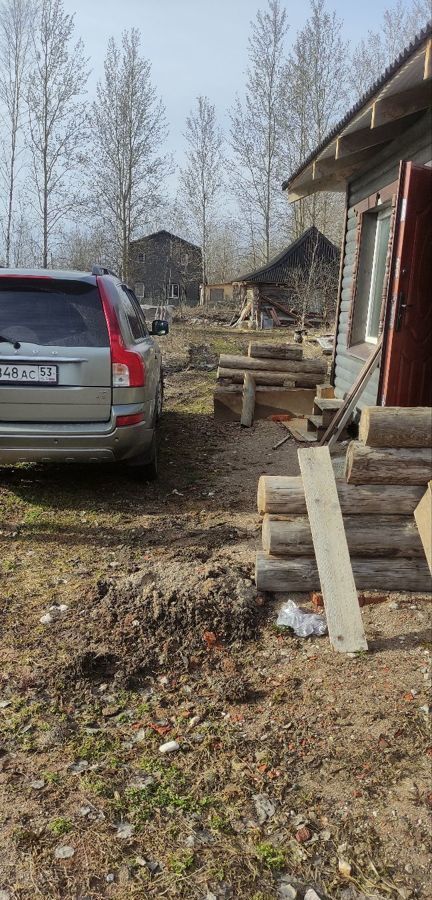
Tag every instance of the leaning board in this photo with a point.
(339, 592)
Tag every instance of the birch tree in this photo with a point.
(57, 117)
(129, 128)
(15, 18)
(316, 97)
(201, 178)
(256, 135)
(400, 22)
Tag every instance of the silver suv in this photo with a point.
(80, 374)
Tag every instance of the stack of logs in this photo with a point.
(386, 474)
(274, 378)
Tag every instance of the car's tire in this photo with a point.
(159, 399)
(145, 468)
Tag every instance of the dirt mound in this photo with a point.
(160, 617)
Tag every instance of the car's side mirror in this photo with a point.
(160, 326)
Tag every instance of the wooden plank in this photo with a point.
(339, 592)
(248, 406)
(298, 429)
(343, 416)
(370, 137)
(395, 106)
(324, 391)
(423, 517)
(276, 573)
(283, 379)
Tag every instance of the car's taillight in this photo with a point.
(133, 419)
(128, 369)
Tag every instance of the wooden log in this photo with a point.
(274, 573)
(318, 366)
(248, 406)
(283, 379)
(396, 426)
(275, 351)
(373, 465)
(284, 495)
(423, 518)
(372, 535)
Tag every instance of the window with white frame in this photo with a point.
(371, 273)
(174, 291)
(139, 289)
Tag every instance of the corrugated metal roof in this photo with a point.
(364, 99)
(298, 254)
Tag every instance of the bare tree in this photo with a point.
(400, 22)
(313, 288)
(316, 97)
(256, 135)
(201, 176)
(15, 18)
(57, 117)
(129, 127)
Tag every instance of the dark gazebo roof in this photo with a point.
(299, 254)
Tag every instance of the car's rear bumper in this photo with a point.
(76, 442)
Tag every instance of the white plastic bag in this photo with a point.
(302, 623)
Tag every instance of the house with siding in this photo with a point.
(380, 156)
(165, 268)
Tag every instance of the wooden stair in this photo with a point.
(324, 410)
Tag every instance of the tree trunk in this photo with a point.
(284, 495)
(366, 536)
(393, 426)
(275, 574)
(282, 379)
(373, 465)
(275, 351)
(248, 401)
(317, 366)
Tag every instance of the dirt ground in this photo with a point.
(296, 767)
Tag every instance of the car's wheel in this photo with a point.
(159, 399)
(145, 468)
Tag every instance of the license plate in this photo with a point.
(28, 374)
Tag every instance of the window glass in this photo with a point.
(55, 313)
(382, 235)
(132, 316)
(370, 275)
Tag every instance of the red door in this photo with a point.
(406, 371)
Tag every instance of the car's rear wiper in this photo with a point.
(5, 340)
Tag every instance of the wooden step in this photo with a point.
(326, 408)
(316, 425)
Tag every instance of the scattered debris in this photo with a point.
(302, 623)
(64, 852)
(125, 831)
(265, 808)
(169, 747)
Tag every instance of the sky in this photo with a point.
(197, 46)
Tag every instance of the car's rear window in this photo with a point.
(61, 313)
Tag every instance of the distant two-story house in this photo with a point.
(164, 268)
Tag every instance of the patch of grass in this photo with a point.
(181, 862)
(60, 826)
(271, 857)
(94, 785)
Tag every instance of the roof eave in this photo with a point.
(400, 96)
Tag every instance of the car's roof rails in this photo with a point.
(102, 270)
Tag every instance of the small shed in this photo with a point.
(292, 288)
(380, 156)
